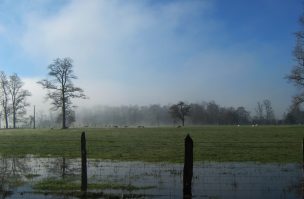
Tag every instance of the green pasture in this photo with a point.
(211, 143)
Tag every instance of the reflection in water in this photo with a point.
(210, 180)
(62, 167)
(12, 172)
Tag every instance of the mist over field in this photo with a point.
(144, 53)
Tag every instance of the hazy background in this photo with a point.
(156, 52)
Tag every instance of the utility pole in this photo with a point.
(34, 117)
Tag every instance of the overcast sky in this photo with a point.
(235, 52)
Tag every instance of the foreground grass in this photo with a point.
(72, 189)
(211, 143)
(66, 185)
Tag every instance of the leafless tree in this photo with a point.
(269, 114)
(180, 111)
(61, 89)
(297, 73)
(260, 111)
(18, 97)
(4, 97)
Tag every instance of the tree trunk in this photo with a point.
(63, 116)
(6, 119)
(14, 119)
(84, 175)
(5, 116)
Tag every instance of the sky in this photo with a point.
(144, 52)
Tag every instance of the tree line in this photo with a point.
(61, 91)
(204, 113)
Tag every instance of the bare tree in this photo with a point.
(260, 112)
(297, 73)
(4, 97)
(18, 97)
(180, 111)
(61, 89)
(269, 114)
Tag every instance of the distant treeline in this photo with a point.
(205, 113)
(200, 114)
(157, 115)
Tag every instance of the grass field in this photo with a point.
(211, 143)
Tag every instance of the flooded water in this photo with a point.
(18, 177)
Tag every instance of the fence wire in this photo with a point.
(213, 175)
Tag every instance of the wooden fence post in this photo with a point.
(84, 178)
(188, 167)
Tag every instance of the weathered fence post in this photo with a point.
(188, 167)
(84, 178)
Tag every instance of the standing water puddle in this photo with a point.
(20, 177)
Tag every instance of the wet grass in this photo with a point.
(211, 143)
(66, 185)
